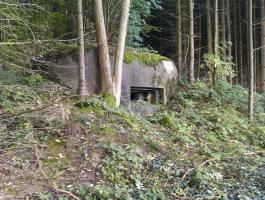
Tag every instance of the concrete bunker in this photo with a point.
(149, 83)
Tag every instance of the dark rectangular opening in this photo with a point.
(149, 94)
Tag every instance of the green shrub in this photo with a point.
(34, 80)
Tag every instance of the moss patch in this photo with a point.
(108, 98)
(146, 58)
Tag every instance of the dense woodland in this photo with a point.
(207, 142)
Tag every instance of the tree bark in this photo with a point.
(117, 75)
(216, 28)
(216, 36)
(179, 37)
(240, 43)
(200, 43)
(223, 22)
(209, 27)
(247, 45)
(254, 46)
(103, 50)
(229, 37)
(235, 42)
(191, 74)
(262, 87)
(251, 61)
(81, 58)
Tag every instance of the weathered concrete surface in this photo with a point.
(135, 74)
(66, 70)
(142, 108)
(163, 75)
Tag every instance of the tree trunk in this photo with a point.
(209, 26)
(229, 37)
(200, 43)
(191, 74)
(117, 77)
(216, 28)
(235, 42)
(251, 60)
(223, 22)
(103, 50)
(262, 87)
(81, 59)
(247, 45)
(216, 36)
(179, 38)
(240, 43)
(254, 46)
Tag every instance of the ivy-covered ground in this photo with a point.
(199, 146)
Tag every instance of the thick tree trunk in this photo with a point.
(103, 50)
(117, 75)
(81, 59)
(191, 74)
(262, 87)
(209, 27)
(179, 37)
(251, 60)
(229, 37)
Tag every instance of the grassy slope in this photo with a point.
(199, 147)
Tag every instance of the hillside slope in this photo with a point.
(199, 146)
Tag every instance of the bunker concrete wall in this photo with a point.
(135, 74)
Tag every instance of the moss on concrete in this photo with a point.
(150, 59)
(144, 56)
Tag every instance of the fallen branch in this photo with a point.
(190, 170)
(194, 197)
(186, 173)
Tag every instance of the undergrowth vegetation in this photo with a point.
(199, 146)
